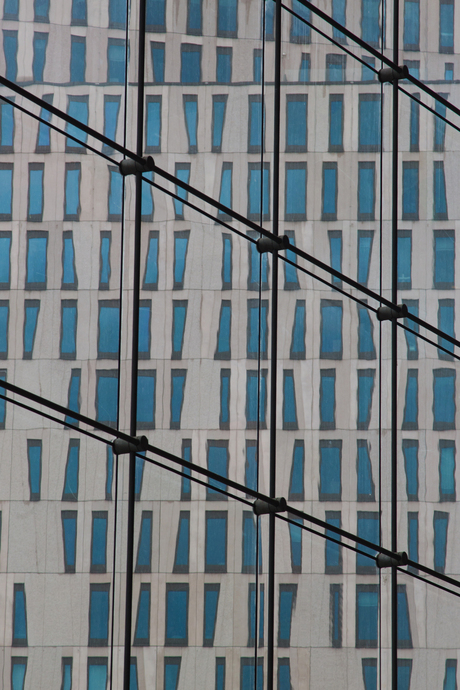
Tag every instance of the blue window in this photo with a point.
(99, 542)
(256, 399)
(151, 262)
(449, 71)
(410, 418)
(107, 396)
(220, 674)
(178, 377)
(440, 125)
(296, 122)
(146, 381)
(66, 673)
(247, 675)
(224, 417)
(404, 259)
(329, 192)
(411, 25)
(450, 677)
(446, 26)
(412, 536)
(108, 329)
(216, 542)
(335, 253)
(4, 320)
(365, 390)
(138, 476)
(287, 601)
(447, 471)
(38, 64)
(190, 63)
(153, 124)
(5, 259)
(155, 16)
(296, 481)
(404, 634)
(335, 67)
(257, 329)
(211, 602)
(227, 18)
(444, 259)
(410, 192)
(258, 266)
(366, 191)
(144, 548)
(158, 61)
(10, 9)
(369, 122)
(31, 311)
(366, 615)
(366, 348)
(251, 542)
(6, 191)
(218, 463)
(440, 526)
(72, 191)
(70, 491)
(115, 194)
(336, 122)
(414, 124)
(176, 633)
(68, 341)
(369, 529)
(77, 108)
(257, 66)
(219, 107)
(223, 65)
(133, 681)
(194, 17)
(191, 121)
(182, 172)
(300, 32)
(289, 401)
(79, 12)
(142, 628)
(339, 15)
(365, 482)
(439, 192)
(443, 399)
(69, 274)
(446, 323)
(365, 238)
(178, 327)
(330, 470)
(411, 339)
(370, 674)
(223, 348)
(331, 329)
(74, 399)
(34, 459)
(186, 485)
(116, 60)
(19, 617)
(77, 59)
(295, 540)
(255, 182)
(225, 194)
(291, 279)
(250, 467)
(256, 125)
(3, 374)
(410, 451)
(327, 399)
(7, 126)
(370, 26)
(295, 191)
(10, 49)
(335, 594)
(182, 554)
(304, 71)
(98, 615)
(333, 551)
(172, 670)
(252, 593)
(109, 473)
(97, 672)
(111, 110)
(117, 14)
(145, 314)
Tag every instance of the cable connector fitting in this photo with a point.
(263, 508)
(121, 447)
(128, 166)
(388, 74)
(273, 245)
(384, 561)
(389, 314)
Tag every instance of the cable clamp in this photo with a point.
(128, 166)
(389, 74)
(263, 508)
(390, 313)
(273, 245)
(384, 561)
(121, 447)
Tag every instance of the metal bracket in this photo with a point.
(389, 314)
(121, 447)
(273, 245)
(128, 166)
(384, 561)
(388, 74)
(263, 508)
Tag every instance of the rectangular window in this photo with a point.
(257, 329)
(365, 390)
(115, 195)
(69, 273)
(145, 325)
(410, 418)
(335, 67)
(365, 482)
(98, 615)
(35, 201)
(256, 125)
(295, 539)
(219, 107)
(250, 467)
(296, 122)
(439, 192)
(411, 339)
(444, 259)
(447, 490)
(77, 107)
(370, 22)
(153, 124)
(5, 259)
(449, 71)
(4, 321)
(300, 32)
(178, 327)
(171, 674)
(19, 616)
(440, 125)
(368, 70)
(70, 491)
(6, 191)
(34, 458)
(446, 26)
(410, 452)
(72, 191)
(339, 15)
(444, 399)
(182, 172)
(97, 672)
(217, 460)
(151, 262)
(369, 122)
(404, 259)
(211, 603)
(190, 63)
(247, 675)
(31, 311)
(269, 16)
(79, 12)
(329, 192)
(68, 339)
(411, 25)
(158, 61)
(99, 542)
(142, 628)
(331, 329)
(216, 542)
(111, 111)
(296, 481)
(116, 49)
(186, 485)
(440, 525)
(286, 607)
(257, 66)
(178, 377)
(335, 595)
(109, 473)
(365, 239)
(327, 399)
(108, 329)
(291, 279)
(139, 475)
(333, 550)
(446, 323)
(7, 126)
(77, 59)
(224, 417)
(194, 17)
(225, 194)
(256, 399)
(252, 593)
(366, 348)
(304, 71)
(191, 121)
(117, 14)
(66, 673)
(412, 537)
(147, 199)
(336, 122)
(330, 470)
(366, 191)
(223, 347)
(251, 530)
(450, 677)
(258, 266)
(368, 529)
(259, 185)
(227, 18)
(3, 374)
(10, 50)
(223, 65)
(11, 9)
(295, 191)
(404, 633)
(182, 553)
(107, 396)
(146, 385)
(74, 400)
(410, 191)
(414, 124)
(367, 599)
(144, 548)
(289, 401)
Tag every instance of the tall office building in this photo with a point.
(365, 409)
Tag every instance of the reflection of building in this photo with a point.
(204, 347)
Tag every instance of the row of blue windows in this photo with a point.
(444, 406)
(446, 467)
(410, 191)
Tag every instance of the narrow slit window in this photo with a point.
(70, 491)
(34, 457)
(142, 627)
(211, 603)
(178, 378)
(144, 548)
